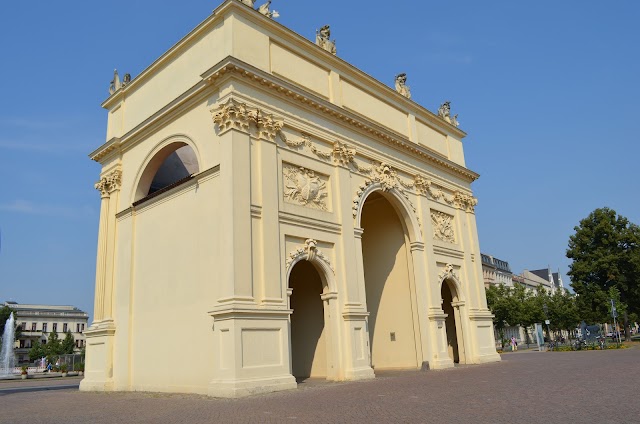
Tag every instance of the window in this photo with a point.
(55, 326)
(23, 326)
(77, 328)
(33, 326)
(44, 327)
(64, 327)
(22, 344)
(82, 327)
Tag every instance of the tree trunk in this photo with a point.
(627, 332)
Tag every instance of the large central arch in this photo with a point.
(390, 288)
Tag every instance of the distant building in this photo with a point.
(554, 279)
(496, 271)
(37, 322)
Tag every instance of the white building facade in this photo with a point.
(37, 322)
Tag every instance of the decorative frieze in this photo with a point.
(109, 183)
(309, 252)
(304, 187)
(442, 227)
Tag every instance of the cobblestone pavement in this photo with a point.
(529, 387)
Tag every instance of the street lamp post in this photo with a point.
(546, 320)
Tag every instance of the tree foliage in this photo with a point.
(605, 250)
(37, 351)
(517, 306)
(5, 314)
(68, 343)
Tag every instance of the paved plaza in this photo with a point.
(526, 387)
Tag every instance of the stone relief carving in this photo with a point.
(267, 126)
(444, 112)
(264, 9)
(447, 272)
(303, 187)
(443, 227)
(401, 85)
(323, 40)
(308, 252)
(109, 183)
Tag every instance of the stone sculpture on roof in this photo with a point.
(115, 82)
(249, 3)
(401, 85)
(323, 40)
(444, 112)
(264, 9)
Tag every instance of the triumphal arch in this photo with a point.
(271, 213)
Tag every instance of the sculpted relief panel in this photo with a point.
(305, 187)
(443, 227)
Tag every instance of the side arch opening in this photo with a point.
(173, 163)
(309, 347)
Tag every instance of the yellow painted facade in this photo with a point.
(321, 220)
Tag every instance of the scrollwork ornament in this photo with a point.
(309, 252)
(447, 272)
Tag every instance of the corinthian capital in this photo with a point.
(232, 115)
(109, 183)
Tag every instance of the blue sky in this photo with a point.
(547, 91)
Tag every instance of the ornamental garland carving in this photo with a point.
(447, 272)
(308, 252)
(425, 187)
(303, 187)
(442, 227)
(109, 183)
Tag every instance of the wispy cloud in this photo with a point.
(26, 207)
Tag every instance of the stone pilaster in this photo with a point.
(100, 335)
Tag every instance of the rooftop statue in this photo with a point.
(126, 79)
(323, 39)
(264, 9)
(249, 3)
(401, 85)
(444, 112)
(115, 82)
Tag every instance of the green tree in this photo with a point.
(563, 311)
(37, 351)
(504, 307)
(68, 343)
(605, 250)
(5, 314)
(53, 348)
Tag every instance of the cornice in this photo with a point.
(231, 66)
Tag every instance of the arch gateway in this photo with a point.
(270, 213)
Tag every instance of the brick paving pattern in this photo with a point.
(528, 387)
